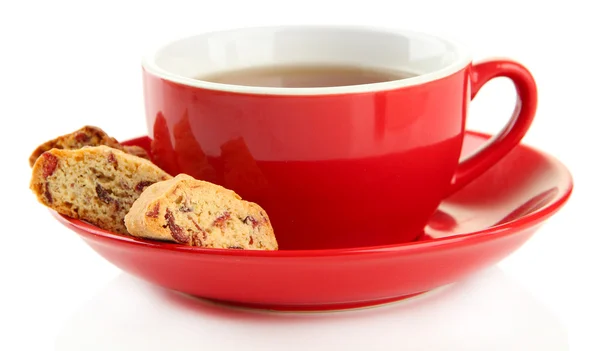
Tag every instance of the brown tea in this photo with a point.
(305, 76)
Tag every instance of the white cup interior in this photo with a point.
(187, 60)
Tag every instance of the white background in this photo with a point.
(66, 64)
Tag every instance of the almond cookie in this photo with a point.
(86, 136)
(96, 184)
(198, 213)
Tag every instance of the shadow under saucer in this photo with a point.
(488, 311)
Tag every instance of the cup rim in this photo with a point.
(150, 66)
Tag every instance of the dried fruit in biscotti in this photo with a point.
(198, 213)
(96, 184)
(86, 136)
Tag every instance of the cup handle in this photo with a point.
(512, 133)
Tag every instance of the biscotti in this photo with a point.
(86, 136)
(96, 184)
(198, 213)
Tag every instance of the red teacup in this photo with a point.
(369, 163)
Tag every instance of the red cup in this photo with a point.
(334, 167)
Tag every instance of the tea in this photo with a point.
(305, 76)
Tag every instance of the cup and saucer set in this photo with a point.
(353, 140)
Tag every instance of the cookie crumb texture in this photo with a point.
(86, 136)
(96, 184)
(198, 213)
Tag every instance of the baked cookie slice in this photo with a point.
(86, 136)
(96, 184)
(198, 213)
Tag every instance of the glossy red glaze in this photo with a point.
(478, 162)
(350, 169)
(479, 225)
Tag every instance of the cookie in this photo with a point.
(86, 136)
(198, 213)
(96, 184)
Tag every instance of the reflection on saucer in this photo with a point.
(487, 312)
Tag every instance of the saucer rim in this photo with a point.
(89, 231)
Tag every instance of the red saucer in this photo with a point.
(475, 228)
